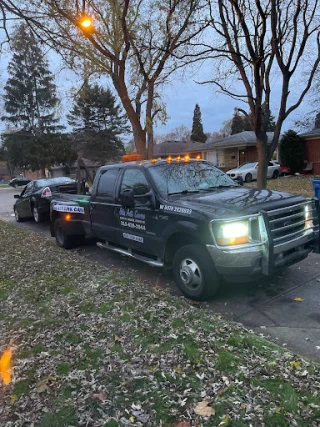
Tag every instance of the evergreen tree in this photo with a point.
(98, 123)
(291, 151)
(29, 103)
(197, 133)
(242, 122)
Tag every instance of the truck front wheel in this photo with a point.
(63, 239)
(194, 272)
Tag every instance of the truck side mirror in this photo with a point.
(127, 198)
(150, 196)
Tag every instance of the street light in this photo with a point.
(85, 22)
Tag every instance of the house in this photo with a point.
(226, 153)
(312, 149)
(177, 148)
(233, 150)
(62, 170)
(4, 172)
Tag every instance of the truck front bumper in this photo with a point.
(245, 263)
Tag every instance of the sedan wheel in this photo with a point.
(275, 174)
(248, 177)
(17, 216)
(38, 217)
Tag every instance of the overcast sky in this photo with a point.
(180, 97)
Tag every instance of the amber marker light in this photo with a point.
(169, 159)
(186, 158)
(68, 217)
(178, 158)
(153, 160)
(198, 157)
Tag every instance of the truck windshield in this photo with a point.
(175, 178)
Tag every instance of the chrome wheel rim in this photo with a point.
(36, 214)
(190, 274)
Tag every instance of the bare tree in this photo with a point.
(262, 43)
(132, 41)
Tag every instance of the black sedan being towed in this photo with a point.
(34, 201)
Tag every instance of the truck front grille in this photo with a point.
(292, 222)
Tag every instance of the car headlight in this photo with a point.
(233, 233)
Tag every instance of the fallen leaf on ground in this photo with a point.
(203, 409)
(224, 422)
(182, 424)
(295, 365)
(117, 339)
(298, 299)
(99, 396)
(43, 384)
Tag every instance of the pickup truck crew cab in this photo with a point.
(189, 216)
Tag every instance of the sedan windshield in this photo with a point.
(176, 178)
(248, 165)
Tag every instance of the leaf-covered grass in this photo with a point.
(94, 347)
(300, 184)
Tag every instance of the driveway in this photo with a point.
(285, 307)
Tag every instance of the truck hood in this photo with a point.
(237, 201)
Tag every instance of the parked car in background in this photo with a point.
(249, 171)
(285, 170)
(34, 201)
(18, 181)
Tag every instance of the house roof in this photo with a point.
(314, 132)
(243, 138)
(176, 147)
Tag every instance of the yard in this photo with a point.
(300, 184)
(93, 347)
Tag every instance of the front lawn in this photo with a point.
(93, 347)
(300, 184)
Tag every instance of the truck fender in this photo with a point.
(181, 234)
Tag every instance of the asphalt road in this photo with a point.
(266, 306)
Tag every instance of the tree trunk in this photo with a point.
(139, 134)
(263, 160)
(149, 121)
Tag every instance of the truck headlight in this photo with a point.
(233, 233)
(308, 216)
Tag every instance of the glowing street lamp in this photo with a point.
(85, 23)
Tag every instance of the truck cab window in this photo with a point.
(107, 183)
(134, 179)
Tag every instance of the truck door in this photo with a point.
(136, 227)
(102, 205)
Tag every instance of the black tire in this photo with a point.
(248, 177)
(37, 216)
(194, 272)
(275, 174)
(17, 216)
(63, 239)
